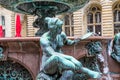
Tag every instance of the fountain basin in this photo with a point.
(27, 51)
(22, 6)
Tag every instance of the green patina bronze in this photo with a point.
(10, 70)
(42, 9)
(94, 59)
(1, 53)
(55, 64)
(60, 5)
(116, 48)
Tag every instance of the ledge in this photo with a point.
(37, 38)
(95, 38)
(19, 39)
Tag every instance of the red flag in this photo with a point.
(1, 31)
(18, 26)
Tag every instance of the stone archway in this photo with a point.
(10, 70)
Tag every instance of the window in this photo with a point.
(68, 25)
(94, 20)
(2, 19)
(116, 13)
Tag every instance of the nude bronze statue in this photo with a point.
(116, 48)
(53, 60)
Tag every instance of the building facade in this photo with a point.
(99, 16)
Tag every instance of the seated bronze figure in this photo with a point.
(116, 48)
(53, 60)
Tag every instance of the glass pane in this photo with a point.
(90, 18)
(72, 31)
(3, 20)
(67, 31)
(115, 16)
(67, 20)
(119, 15)
(116, 28)
(98, 30)
(90, 29)
(72, 22)
(98, 17)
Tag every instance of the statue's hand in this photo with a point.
(77, 40)
(77, 67)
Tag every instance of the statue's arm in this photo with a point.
(68, 41)
(49, 50)
(46, 48)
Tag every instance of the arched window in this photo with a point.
(68, 25)
(94, 20)
(116, 13)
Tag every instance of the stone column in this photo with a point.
(78, 21)
(107, 19)
(30, 28)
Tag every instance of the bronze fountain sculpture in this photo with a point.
(115, 54)
(52, 37)
(54, 63)
(42, 9)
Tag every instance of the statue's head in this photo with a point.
(54, 24)
(116, 44)
(94, 47)
(117, 39)
(115, 54)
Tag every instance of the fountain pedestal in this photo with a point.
(42, 9)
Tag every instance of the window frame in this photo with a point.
(116, 21)
(70, 24)
(94, 22)
(3, 24)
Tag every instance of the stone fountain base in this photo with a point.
(27, 52)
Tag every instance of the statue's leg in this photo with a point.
(57, 62)
(50, 66)
(79, 67)
(67, 75)
(43, 76)
(92, 74)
